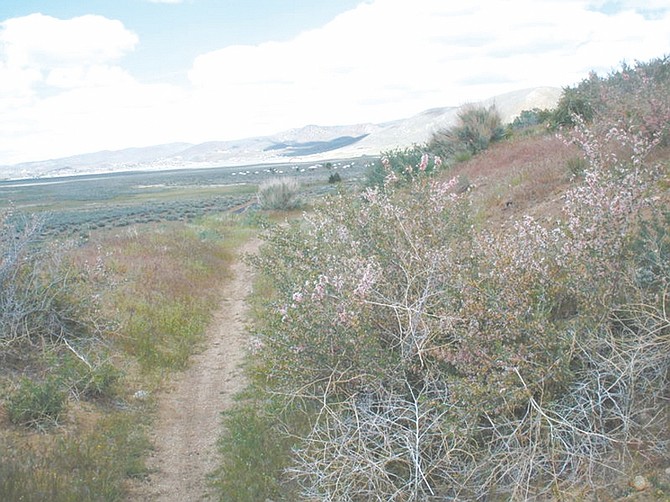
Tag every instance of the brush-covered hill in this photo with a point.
(493, 328)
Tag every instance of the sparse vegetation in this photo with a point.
(75, 429)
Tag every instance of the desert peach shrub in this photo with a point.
(441, 360)
(636, 98)
(403, 165)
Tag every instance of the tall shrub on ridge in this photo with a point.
(476, 128)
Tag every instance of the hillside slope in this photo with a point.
(488, 329)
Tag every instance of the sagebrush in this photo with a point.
(279, 194)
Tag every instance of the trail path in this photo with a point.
(188, 421)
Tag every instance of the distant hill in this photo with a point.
(305, 144)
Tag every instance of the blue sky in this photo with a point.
(172, 34)
(85, 75)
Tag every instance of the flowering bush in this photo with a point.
(439, 359)
(407, 164)
(634, 98)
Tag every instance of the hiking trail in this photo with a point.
(188, 421)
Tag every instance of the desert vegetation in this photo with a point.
(458, 330)
(89, 333)
(279, 194)
(483, 317)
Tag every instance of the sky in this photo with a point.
(80, 76)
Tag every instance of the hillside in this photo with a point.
(489, 323)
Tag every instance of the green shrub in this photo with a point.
(334, 178)
(36, 403)
(88, 380)
(279, 194)
(530, 118)
(401, 165)
(575, 101)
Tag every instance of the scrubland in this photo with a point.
(485, 320)
(484, 317)
(89, 334)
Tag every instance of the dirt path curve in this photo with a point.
(189, 422)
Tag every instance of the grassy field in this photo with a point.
(77, 205)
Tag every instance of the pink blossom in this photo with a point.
(366, 281)
(424, 162)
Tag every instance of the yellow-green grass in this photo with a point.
(156, 288)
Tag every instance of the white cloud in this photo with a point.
(61, 85)
(42, 50)
(44, 40)
(63, 89)
(388, 58)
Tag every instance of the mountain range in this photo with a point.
(311, 143)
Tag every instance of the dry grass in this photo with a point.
(155, 287)
(525, 175)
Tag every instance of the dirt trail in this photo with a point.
(189, 416)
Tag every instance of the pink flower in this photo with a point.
(424, 162)
(366, 281)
